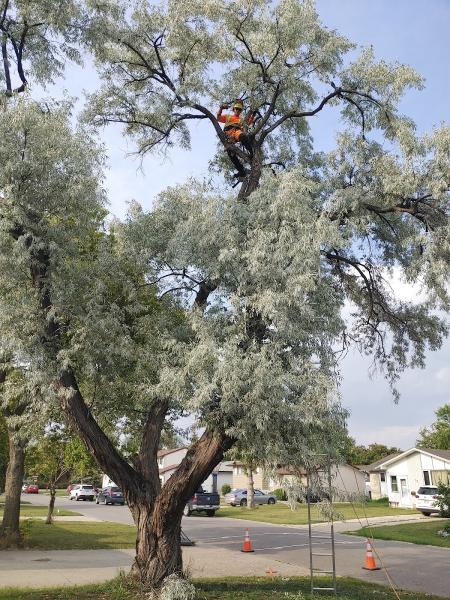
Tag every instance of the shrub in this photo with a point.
(384, 501)
(443, 500)
(280, 494)
(177, 588)
(226, 489)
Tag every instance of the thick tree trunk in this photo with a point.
(9, 530)
(158, 522)
(158, 550)
(250, 488)
(51, 506)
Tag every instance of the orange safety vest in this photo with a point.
(234, 125)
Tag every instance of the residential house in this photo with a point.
(169, 460)
(397, 475)
(346, 481)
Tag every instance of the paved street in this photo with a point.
(284, 548)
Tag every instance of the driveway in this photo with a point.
(280, 547)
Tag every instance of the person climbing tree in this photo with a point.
(234, 130)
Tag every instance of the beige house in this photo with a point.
(397, 475)
(170, 459)
(346, 480)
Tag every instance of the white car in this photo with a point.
(82, 492)
(426, 497)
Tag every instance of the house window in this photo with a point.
(382, 477)
(426, 478)
(394, 484)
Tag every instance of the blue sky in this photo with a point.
(409, 31)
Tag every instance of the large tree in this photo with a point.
(221, 303)
(438, 434)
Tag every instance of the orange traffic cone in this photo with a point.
(370, 565)
(247, 545)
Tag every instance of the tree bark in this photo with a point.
(251, 183)
(250, 487)
(10, 530)
(158, 519)
(158, 550)
(51, 505)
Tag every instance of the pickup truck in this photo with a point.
(202, 501)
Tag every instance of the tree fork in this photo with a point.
(158, 550)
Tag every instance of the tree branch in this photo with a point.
(151, 434)
(6, 65)
(294, 114)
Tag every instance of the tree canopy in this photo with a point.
(438, 434)
(231, 305)
(366, 455)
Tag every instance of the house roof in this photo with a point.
(445, 454)
(374, 466)
(381, 464)
(221, 467)
(169, 468)
(166, 451)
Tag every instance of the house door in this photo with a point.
(405, 497)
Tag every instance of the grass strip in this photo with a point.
(415, 533)
(283, 515)
(243, 588)
(68, 535)
(28, 510)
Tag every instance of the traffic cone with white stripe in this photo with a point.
(247, 545)
(370, 564)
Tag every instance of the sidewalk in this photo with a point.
(34, 568)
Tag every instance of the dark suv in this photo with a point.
(110, 495)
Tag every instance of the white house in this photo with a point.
(397, 475)
(170, 459)
(346, 481)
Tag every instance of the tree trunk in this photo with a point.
(158, 550)
(51, 505)
(10, 530)
(158, 518)
(250, 488)
(252, 181)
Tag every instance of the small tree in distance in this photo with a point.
(46, 461)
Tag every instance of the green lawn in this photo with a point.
(220, 589)
(28, 510)
(77, 535)
(59, 493)
(282, 514)
(416, 533)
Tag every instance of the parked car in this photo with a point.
(426, 497)
(238, 497)
(202, 501)
(110, 495)
(82, 491)
(30, 488)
